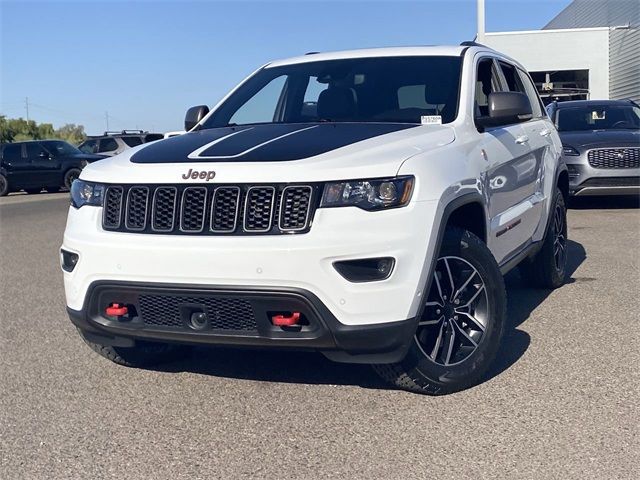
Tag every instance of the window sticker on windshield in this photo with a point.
(598, 115)
(431, 120)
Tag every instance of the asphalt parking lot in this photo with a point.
(561, 403)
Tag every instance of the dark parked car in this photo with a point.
(600, 144)
(113, 143)
(34, 165)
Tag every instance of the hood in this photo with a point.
(275, 153)
(601, 138)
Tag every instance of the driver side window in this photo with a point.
(486, 82)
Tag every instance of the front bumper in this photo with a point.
(585, 180)
(319, 329)
(299, 261)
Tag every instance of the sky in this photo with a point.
(141, 64)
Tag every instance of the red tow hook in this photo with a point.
(282, 321)
(116, 310)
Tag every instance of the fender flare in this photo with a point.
(453, 205)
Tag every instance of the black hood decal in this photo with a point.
(267, 142)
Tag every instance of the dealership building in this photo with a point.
(590, 50)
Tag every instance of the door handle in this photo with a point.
(546, 132)
(522, 140)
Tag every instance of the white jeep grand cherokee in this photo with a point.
(364, 204)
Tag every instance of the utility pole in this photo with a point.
(106, 119)
(26, 106)
(480, 34)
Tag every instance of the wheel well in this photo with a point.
(563, 184)
(470, 216)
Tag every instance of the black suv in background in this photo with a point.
(113, 143)
(38, 164)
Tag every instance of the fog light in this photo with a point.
(366, 270)
(69, 260)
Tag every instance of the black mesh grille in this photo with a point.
(112, 213)
(173, 311)
(193, 205)
(224, 212)
(164, 209)
(259, 209)
(210, 209)
(612, 182)
(294, 207)
(615, 158)
(137, 200)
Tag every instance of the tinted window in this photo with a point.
(34, 150)
(532, 93)
(108, 145)
(348, 90)
(12, 153)
(132, 141)
(90, 146)
(513, 79)
(598, 117)
(58, 147)
(152, 137)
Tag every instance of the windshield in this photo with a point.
(598, 117)
(388, 89)
(56, 148)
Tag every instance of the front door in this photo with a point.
(45, 167)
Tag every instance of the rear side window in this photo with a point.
(107, 145)
(152, 137)
(12, 153)
(532, 93)
(132, 141)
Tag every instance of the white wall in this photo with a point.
(549, 50)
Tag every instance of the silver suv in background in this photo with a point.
(600, 145)
(113, 143)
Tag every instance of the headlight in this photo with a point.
(86, 193)
(373, 194)
(570, 151)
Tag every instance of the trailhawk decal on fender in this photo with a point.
(269, 142)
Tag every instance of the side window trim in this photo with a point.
(525, 77)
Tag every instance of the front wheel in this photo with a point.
(70, 176)
(144, 354)
(4, 186)
(462, 323)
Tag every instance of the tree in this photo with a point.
(19, 129)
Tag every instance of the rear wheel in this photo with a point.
(548, 268)
(462, 324)
(144, 354)
(4, 186)
(70, 176)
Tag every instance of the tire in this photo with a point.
(439, 362)
(144, 354)
(4, 186)
(70, 176)
(548, 267)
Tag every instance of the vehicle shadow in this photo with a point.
(314, 368)
(604, 203)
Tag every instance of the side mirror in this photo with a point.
(506, 108)
(194, 115)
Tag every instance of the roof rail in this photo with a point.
(473, 43)
(123, 132)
